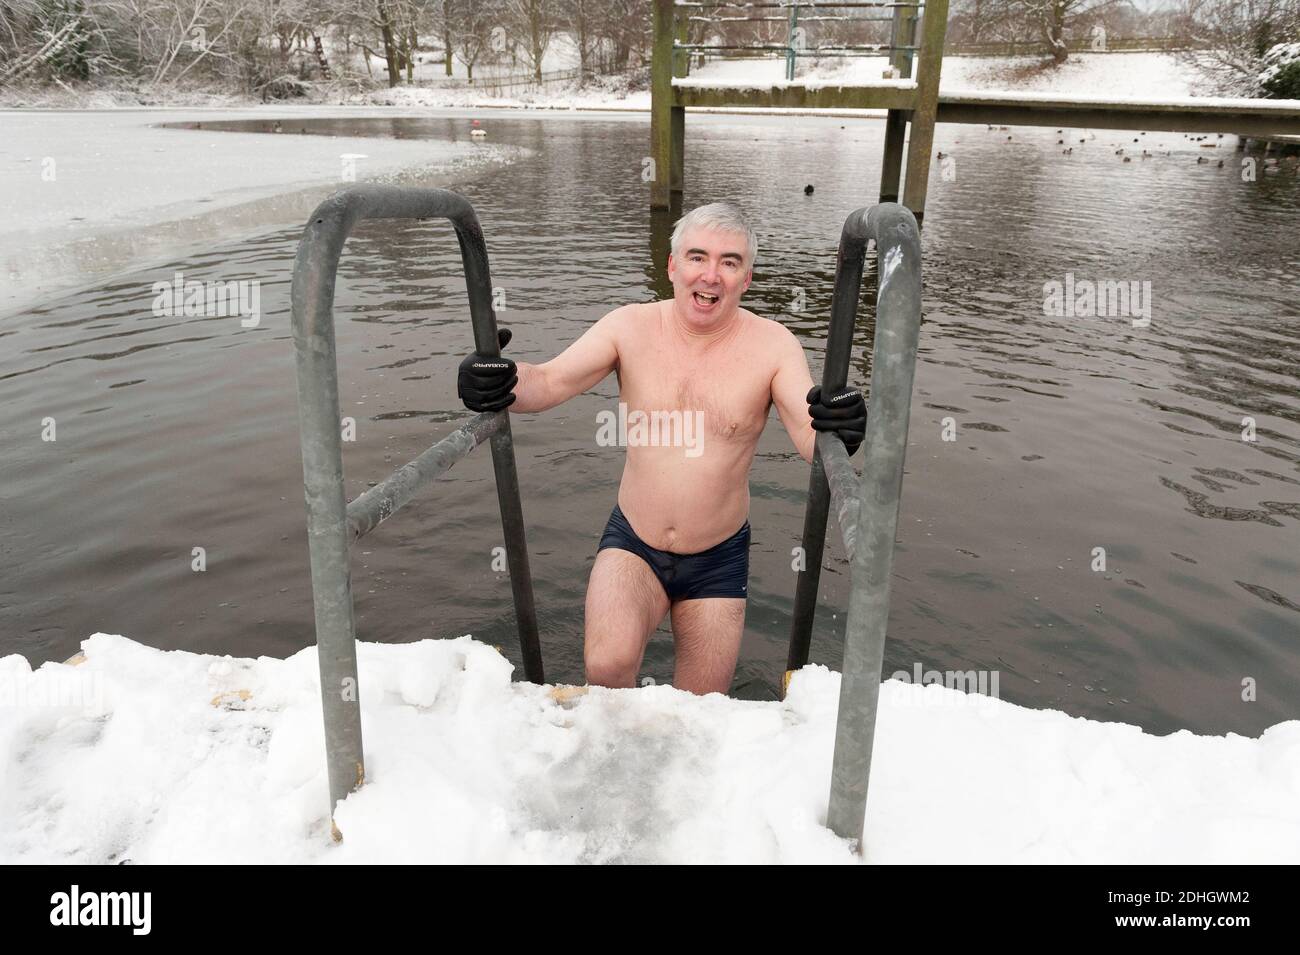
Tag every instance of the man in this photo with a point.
(678, 539)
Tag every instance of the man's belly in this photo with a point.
(684, 505)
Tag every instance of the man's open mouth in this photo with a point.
(704, 299)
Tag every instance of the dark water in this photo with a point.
(1072, 433)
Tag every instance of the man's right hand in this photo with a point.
(485, 382)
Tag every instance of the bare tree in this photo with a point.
(580, 17)
(1054, 18)
(475, 25)
(535, 23)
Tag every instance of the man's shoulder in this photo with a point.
(625, 314)
(774, 330)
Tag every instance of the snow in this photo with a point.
(1190, 102)
(805, 81)
(1277, 59)
(87, 195)
(1104, 75)
(1138, 76)
(167, 756)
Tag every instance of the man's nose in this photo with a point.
(711, 273)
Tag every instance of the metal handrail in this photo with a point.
(868, 519)
(791, 8)
(333, 525)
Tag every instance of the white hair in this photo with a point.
(717, 215)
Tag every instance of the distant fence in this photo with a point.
(497, 83)
(1159, 44)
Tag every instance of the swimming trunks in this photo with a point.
(720, 571)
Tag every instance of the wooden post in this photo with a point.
(891, 163)
(677, 161)
(934, 26)
(902, 33)
(661, 105)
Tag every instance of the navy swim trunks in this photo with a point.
(720, 571)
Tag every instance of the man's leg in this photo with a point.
(625, 602)
(706, 636)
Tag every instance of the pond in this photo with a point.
(1036, 438)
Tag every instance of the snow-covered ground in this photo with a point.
(88, 195)
(167, 756)
(1133, 75)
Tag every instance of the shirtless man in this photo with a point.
(678, 539)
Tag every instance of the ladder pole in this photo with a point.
(893, 370)
(512, 525)
(478, 281)
(849, 264)
(312, 298)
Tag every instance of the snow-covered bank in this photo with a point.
(151, 756)
(89, 195)
(1133, 75)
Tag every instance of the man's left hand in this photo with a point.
(844, 413)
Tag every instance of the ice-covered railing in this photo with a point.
(696, 16)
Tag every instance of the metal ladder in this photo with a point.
(868, 518)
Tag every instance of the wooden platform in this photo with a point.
(1246, 117)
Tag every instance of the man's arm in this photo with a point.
(579, 367)
(790, 386)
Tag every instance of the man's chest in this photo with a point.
(730, 393)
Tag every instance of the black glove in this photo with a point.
(844, 413)
(486, 381)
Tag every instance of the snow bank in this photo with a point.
(152, 756)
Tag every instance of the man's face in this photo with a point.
(710, 276)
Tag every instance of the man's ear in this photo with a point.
(672, 266)
(749, 277)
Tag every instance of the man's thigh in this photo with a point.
(625, 603)
(706, 635)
